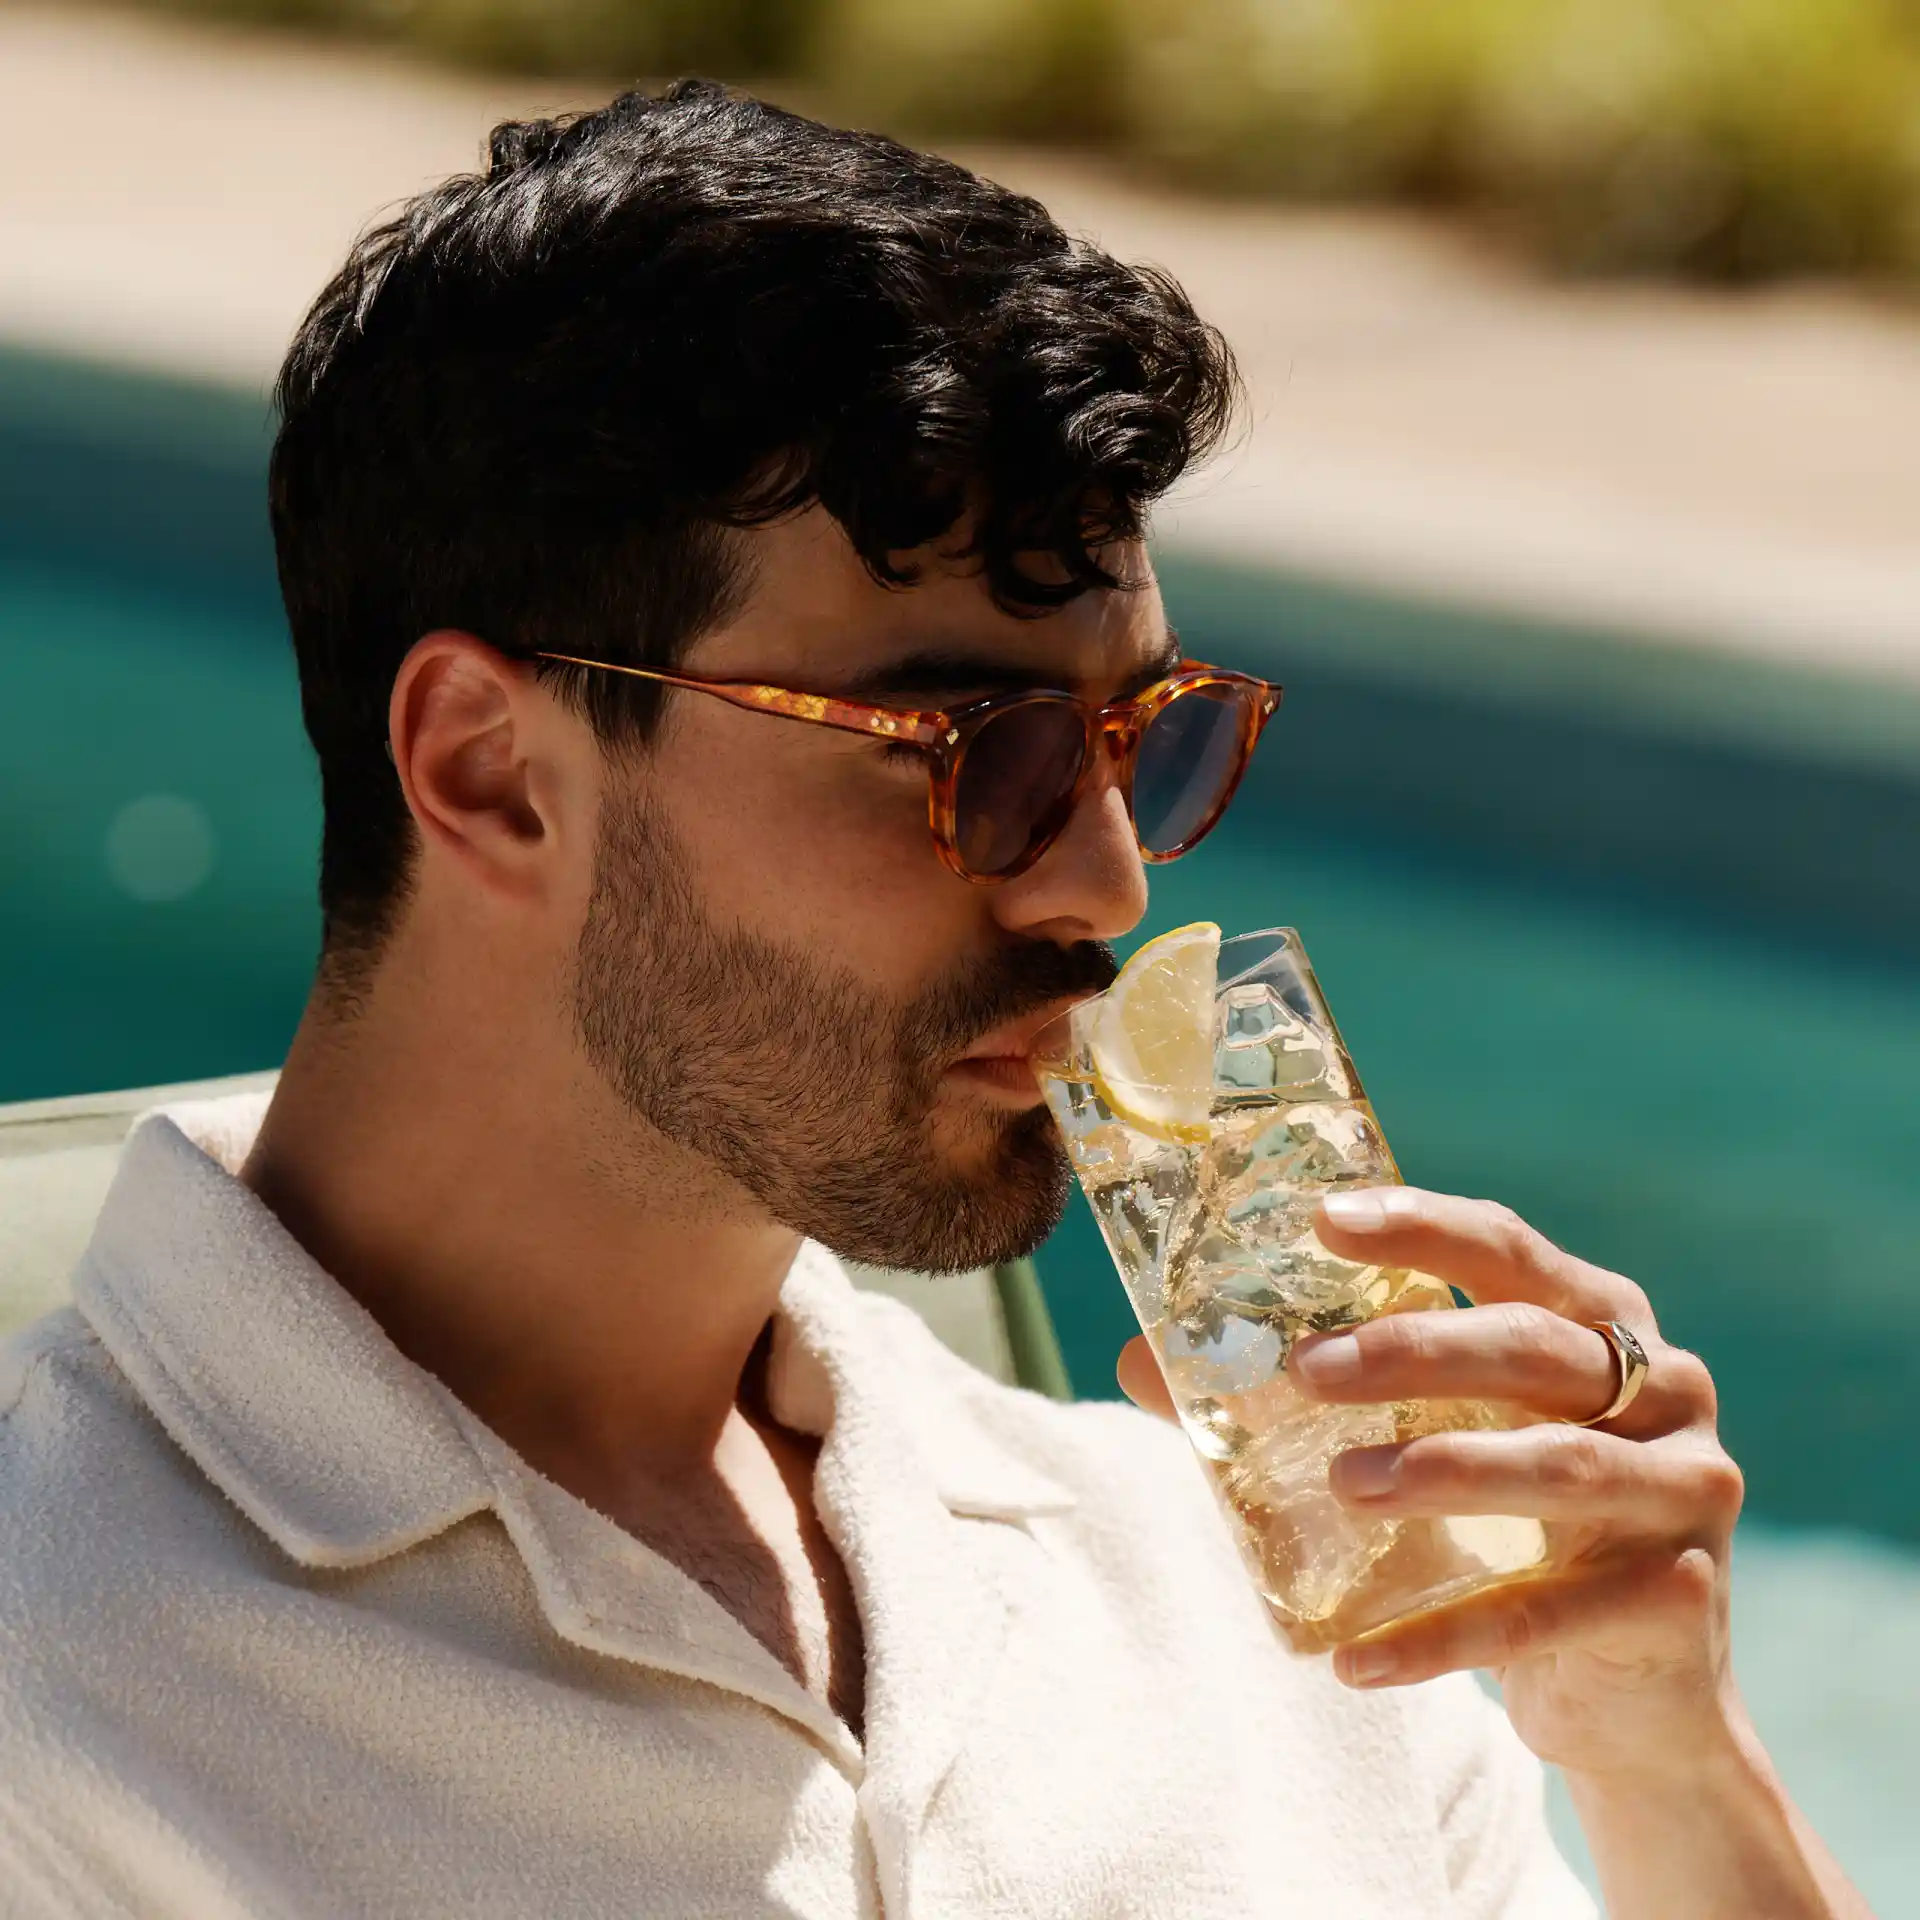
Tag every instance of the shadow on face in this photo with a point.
(776, 970)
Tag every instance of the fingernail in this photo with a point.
(1369, 1472)
(1365, 1666)
(1360, 1212)
(1329, 1363)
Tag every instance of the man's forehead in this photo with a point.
(817, 620)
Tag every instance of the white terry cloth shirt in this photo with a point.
(285, 1631)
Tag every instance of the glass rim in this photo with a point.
(1052, 1046)
(1282, 939)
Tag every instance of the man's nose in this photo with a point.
(1091, 884)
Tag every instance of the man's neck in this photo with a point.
(592, 1293)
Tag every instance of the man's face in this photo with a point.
(775, 969)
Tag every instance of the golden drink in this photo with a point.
(1214, 1241)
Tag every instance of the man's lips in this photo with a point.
(1007, 1074)
(1005, 1056)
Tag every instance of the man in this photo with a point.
(471, 1486)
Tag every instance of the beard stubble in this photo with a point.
(810, 1089)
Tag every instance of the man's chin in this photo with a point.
(978, 1207)
(1009, 1207)
(966, 1253)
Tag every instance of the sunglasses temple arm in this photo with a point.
(849, 716)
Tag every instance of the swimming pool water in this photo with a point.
(1661, 994)
(1714, 1095)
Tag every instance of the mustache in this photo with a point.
(947, 1019)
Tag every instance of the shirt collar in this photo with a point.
(289, 1397)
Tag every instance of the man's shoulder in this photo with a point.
(50, 1370)
(57, 1407)
(94, 1496)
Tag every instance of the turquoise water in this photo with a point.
(1638, 955)
(1610, 977)
(1735, 1124)
(114, 700)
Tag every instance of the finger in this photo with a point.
(1516, 1352)
(1141, 1380)
(1671, 1490)
(1669, 1595)
(1484, 1249)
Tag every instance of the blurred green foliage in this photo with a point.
(1732, 139)
(1049, 70)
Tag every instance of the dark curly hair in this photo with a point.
(532, 404)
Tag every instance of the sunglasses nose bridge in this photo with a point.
(1117, 733)
(1110, 737)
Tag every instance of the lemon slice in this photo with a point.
(1151, 1035)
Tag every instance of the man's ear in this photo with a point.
(473, 740)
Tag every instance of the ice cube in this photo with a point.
(1145, 1216)
(1314, 1145)
(1212, 1352)
(1261, 1045)
(1132, 1226)
(1306, 1550)
(1252, 1025)
(1252, 1015)
(1259, 1217)
(1261, 1256)
(1218, 1271)
(1213, 1431)
(1321, 1290)
(1101, 1150)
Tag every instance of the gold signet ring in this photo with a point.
(1632, 1357)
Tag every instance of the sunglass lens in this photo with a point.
(1188, 760)
(1016, 783)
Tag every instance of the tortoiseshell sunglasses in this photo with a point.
(1008, 770)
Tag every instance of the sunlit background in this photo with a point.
(1577, 510)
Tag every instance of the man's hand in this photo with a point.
(1618, 1659)
(1614, 1665)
